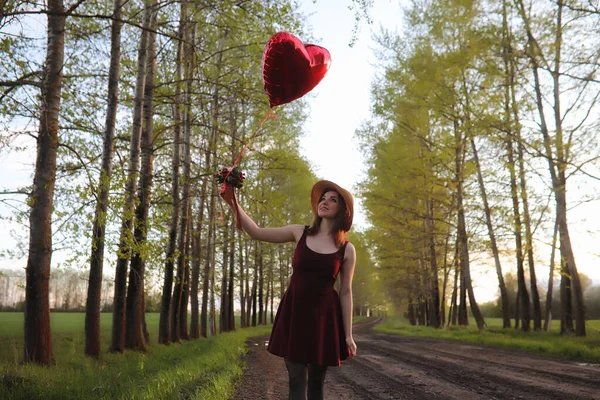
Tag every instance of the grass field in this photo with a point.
(207, 368)
(569, 347)
(200, 369)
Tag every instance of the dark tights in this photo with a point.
(298, 380)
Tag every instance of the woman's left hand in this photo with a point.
(351, 346)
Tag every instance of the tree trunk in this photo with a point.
(463, 317)
(523, 293)
(213, 316)
(260, 285)
(434, 290)
(453, 312)
(548, 315)
(422, 311)
(412, 318)
(518, 308)
(209, 266)
(185, 294)
(444, 283)
(210, 250)
(272, 314)
(243, 262)
(164, 330)
(229, 319)
(196, 262)
(93, 306)
(535, 296)
(189, 70)
(223, 297)
(143, 312)
(566, 296)
(462, 234)
(557, 164)
(38, 338)
(248, 290)
(230, 311)
(254, 283)
(267, 297)
(134, 335)
(560, 184)
(492, 235)
(124, 252)
(181, 237)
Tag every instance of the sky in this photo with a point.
(341, 101)
(338, 106)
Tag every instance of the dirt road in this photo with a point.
(398, 367)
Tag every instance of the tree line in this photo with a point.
(591, 297)
(484, 122)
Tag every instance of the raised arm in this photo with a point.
(289, 233)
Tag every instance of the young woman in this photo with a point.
(313, 326)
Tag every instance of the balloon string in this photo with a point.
(270, 114)
(239, 157)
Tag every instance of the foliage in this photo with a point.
(441, 83)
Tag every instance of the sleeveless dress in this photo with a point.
(308, 327)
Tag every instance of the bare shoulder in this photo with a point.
(350, 252)
(297, 230)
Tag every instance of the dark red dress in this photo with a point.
(308, 327)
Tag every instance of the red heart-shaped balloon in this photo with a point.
(291, 69)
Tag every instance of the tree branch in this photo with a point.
(15, 192)
(83, 163)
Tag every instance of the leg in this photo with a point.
(316, 378)
(297, 376)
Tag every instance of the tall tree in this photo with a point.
(433, 278)
(558, 148)
(224, 298)
(134, 334)
(523, 294)
(230, 296)
(492, 234)
(165, 324)
(548, 312)
(207, 270)
(125, 241)
(180, 105)
(38, 340)
(185, 292)
(465, 266)
(197, 255)
(92, 309)
(210, 164)
(535, 296)
(190, 70)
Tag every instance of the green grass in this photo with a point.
(586, 349)
(199, 369)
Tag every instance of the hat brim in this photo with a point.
(319, 188)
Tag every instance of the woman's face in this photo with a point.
(329, 205)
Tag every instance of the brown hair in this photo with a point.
(338, 233)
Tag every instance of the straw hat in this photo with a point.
(321, 187)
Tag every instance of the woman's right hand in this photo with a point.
(227, 194)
